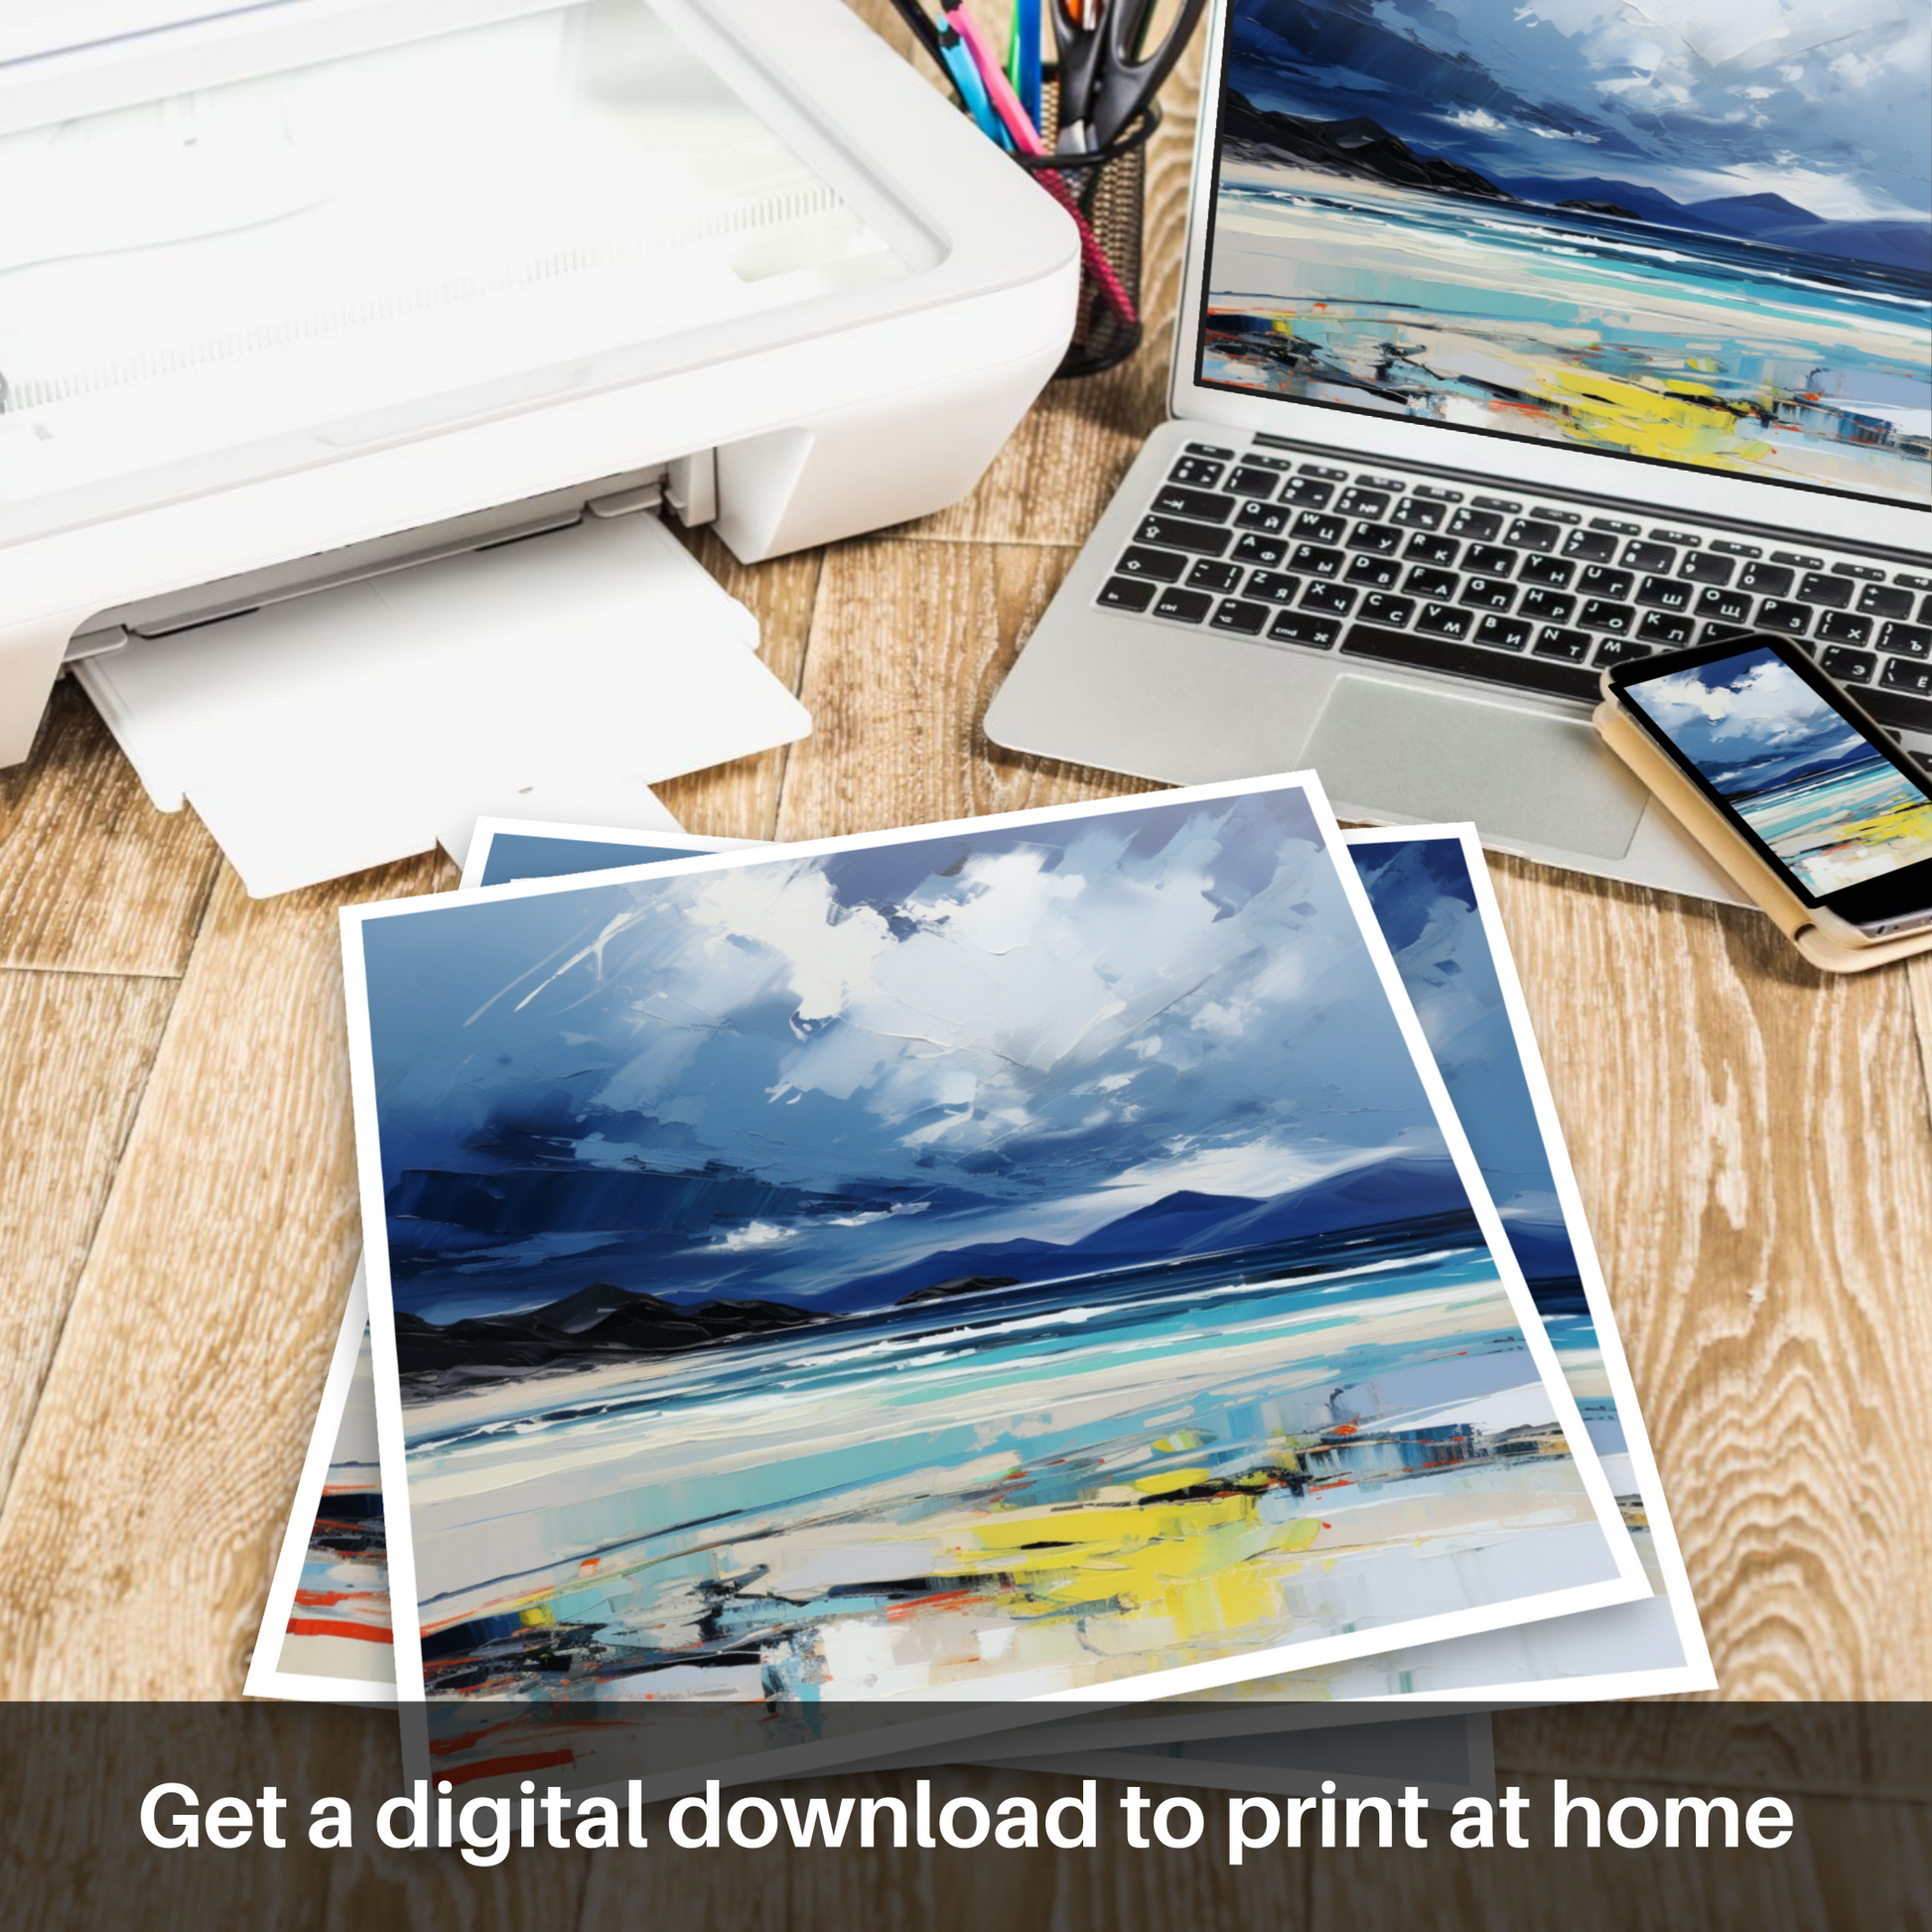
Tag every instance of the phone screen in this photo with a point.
(1830, 804)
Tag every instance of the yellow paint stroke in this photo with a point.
(1680, 423)
(1211, 1562)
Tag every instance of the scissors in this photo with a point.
(1107, 75)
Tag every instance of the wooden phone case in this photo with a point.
(1734, 854)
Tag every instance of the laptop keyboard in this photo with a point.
(1527, 594)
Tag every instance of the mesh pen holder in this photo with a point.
(1106, 191)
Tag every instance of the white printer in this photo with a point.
(308, 299)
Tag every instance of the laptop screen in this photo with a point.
(1700, 234)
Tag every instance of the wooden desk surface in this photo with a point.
(177, 1218)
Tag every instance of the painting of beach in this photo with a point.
(1020, 1259)
(1692, 239)
(1831, 808)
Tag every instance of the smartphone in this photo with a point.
(1786, 757)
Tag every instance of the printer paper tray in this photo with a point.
(557, 677)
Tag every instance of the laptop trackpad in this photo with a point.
(1384, 746)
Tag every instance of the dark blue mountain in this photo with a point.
(1187, 1223)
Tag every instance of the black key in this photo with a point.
(1312, 528)
(1315, 561)
(1208, 575)
(1599, 581)
(1431, 583)
(1675, 536)
(1907, 639)
(1615, 527)
(1833, 592)
(1489, 559)
(1416, 513)
(1184, 607)
(1324, 470)
(1488, 595)
(1269, 518)
(1553, 516)
(1766, 578)
(1847, 666)
(1127, 592)
(1197, 471)
(1209, 449)
(1589, 546)
(1305, 493)
(1382, 538)
(1203, 539)
(1378, 609)
(1725, 634)
(1731, 549)
(1841, 627)
(1797, 559)
(1392, 484)
(1470, 660)
(1503, 633)
(1727, 606)
(1432, 550)
(1527, 533)
(1701, 567)
(1445, 621)
(1553, 571)
(1329, 597)
(1663, 628)
(1912, 582)
(1899, 675)
(1877, 600)
(1237, 614)
(1363, 502)
(1171, 499)
(1279, 464)
(1925, 611)
(1665, 593)
(1480, 525)
(1379, 572)
(1546, 607)
(1441, 495)
(1162, 565)
(1247, 480)
(1298, 628)
(1253, 549)
(1275, 585)
(1778, 613)
(1620, 651)
(1508, 505)
(1649, 556)
(1571, 645)
(1895, 709)
(1602, 614)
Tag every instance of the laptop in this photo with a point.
(1514, 344)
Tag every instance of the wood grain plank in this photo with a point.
(1752, 1144)
(151, 1492)
(739, 800)
(910, 642)
(75, 1054)
(92, 879)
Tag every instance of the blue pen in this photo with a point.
(1025, 81)
(972, 89)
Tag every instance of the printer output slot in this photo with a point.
(687, 484)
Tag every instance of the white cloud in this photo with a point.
(758, 1234)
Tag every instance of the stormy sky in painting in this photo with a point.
(1819, 103)
(1024, 1051)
